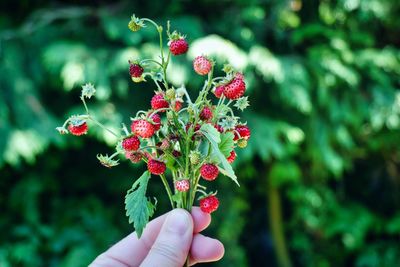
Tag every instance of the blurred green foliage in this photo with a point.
(323, 79)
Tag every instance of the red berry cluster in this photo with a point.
(178, 137)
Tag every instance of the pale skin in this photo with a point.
(166, 241)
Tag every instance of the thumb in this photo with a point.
(173, 242)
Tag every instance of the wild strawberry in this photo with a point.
(170, 94)
(158, 101)
(209, 204)
(156, 121)
(182, 185)
(165, 144)
(135, 70)
(219, 91)
(156, 167)
(142, 128)
(202, 65)
(194, 157)
(176, 153)
(206, 114)
(131, 143)
(134, 156)
(232, 157)
(78, 128)
(178, 105)
(236, 88)
(196, 128)
(242, 143)
(219, 128)
(178, 46)
(209, 171)
(241, 131)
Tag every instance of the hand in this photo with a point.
(166, 241)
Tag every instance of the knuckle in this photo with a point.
(169, 252)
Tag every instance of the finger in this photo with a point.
(173, 242)
(122, 251)
(205, 249)
(201, 220)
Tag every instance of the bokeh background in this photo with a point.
(320, 177)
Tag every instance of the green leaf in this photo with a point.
(138, 208)
(226, 168)
(226, 144)
(212, 132)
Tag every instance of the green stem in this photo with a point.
(102, 126)
(84, 104)
(168, 189)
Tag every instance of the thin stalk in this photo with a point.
(84, 104)
(103, 127)
(168, 189)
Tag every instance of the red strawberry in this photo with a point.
(236, 88)
(176, 153)
(135, 70)
(241, 131)
(178, 47)
(232, 157)
(219, 91)
(143, 128)
(156, 167)
(182, 185)
(131, 143)
(156, 121)
(206, 114)
(196, 128)
(202, 65)
(158, 101)
(134, 157)
(78, 129)
(219, 128)
(209, 171)
(178, 105)
(209, 204)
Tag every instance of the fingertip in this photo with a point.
(206, 249)
(201, 220)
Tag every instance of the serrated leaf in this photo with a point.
(226, 168)
(212, 132)
(138, 208)
(226, 144)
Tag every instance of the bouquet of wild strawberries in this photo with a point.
(194, 140)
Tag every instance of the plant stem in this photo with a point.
(102, 126)
(168, 189)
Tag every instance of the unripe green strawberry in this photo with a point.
(170, 94)
(242, 143)
(194, 157)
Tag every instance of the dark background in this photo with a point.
(319, 179)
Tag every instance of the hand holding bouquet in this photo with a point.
(186, 142)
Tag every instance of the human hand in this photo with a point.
(166, 241)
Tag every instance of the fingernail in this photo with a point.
(177, 222)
